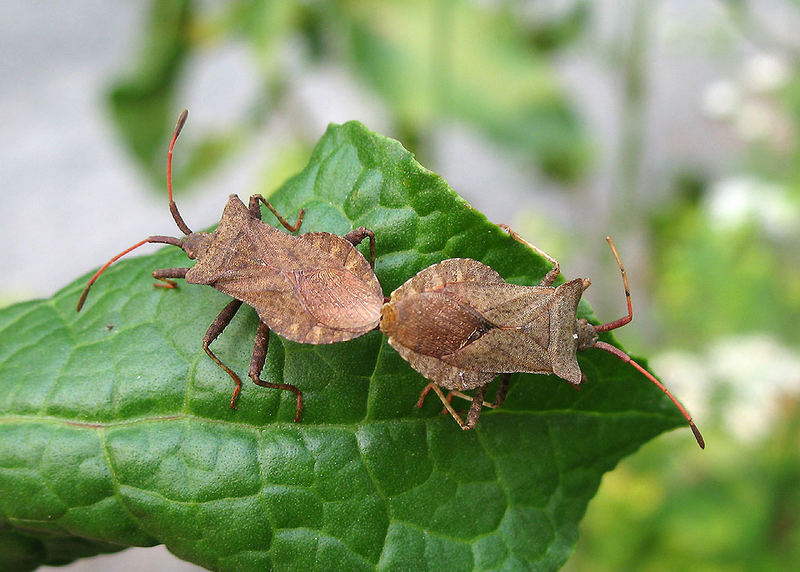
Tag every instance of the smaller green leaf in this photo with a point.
(141, 102)
(470, 62)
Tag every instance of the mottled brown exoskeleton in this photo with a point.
(314, 288)
(459, 324)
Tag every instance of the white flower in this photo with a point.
(735, 201)
(755, 121)
(763, 73)
(688, 377)
(760, 373)
(721, 99)
(757, 370)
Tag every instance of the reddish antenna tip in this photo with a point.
(697, 435)
(173, 208)
(181, 122)
(82, 299)
(151, 239)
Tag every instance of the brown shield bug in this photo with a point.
(459, 324)
(313, 288)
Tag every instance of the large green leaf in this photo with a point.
(115, 428)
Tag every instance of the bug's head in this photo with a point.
(196, 244)
(388, 318)
(586, 334)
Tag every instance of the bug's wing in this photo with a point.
(340, 253)
(332, 294)
(544, 343)
(514, 322)
(446, 272)
(432, 324)
(336, 287)
(461, 316)
(504, 351)
(339, 301)
(425, 326)
(482, 288)
(505, 305)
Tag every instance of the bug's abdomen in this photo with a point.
(434, 324)
(339, 300)
(425, 327)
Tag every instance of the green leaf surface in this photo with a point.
(115, 428)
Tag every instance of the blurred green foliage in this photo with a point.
(428, 62)
(733, 509)
(711, 283)
(141, 102)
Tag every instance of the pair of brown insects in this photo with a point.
(457, 322)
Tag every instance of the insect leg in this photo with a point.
(501, 395)
(448, 406)
(164, 275)
(450, 401)
(356, 236)
(498, 400)
(214, 330)
(455, 393)
(553, 273)
(257, 364)
(502, 390)
(255, 212)
(422, 395)
(476, 407)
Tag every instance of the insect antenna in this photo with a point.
(173, 208)
(150, 239)
(625, 319)
(627, 359)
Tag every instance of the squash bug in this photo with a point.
(459, 324)
(313, 288)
